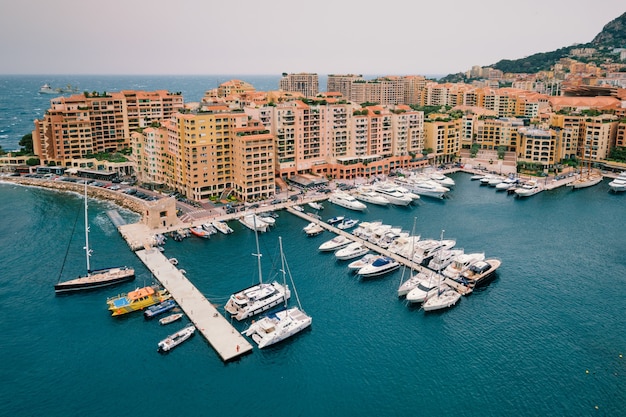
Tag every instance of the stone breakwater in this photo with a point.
(121, 199)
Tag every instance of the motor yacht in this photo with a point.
(392, 194)
(345, 200)
(335, 243)
(353, 250)
(527, 189)
(381, 265)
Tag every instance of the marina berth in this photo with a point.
(175, 339)
(283, 324)
(345, 200)
(137, 300)
(353, 250)
(335, 243)
(380, 266)
(258, 298)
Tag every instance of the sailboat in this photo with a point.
(97, 278)
(282, 324)
(257, 298)
(591, 179)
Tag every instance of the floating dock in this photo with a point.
(220, 334)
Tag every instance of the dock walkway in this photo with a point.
(220, 334)
(400, 259)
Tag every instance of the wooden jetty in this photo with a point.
(215, 328)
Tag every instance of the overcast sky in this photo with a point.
(392, 37)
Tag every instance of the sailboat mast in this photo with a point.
(87, 251)
(282, 264)
(258, 251)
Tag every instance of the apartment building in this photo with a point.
(620, 137)
(253, 164)
(87, 124)
(599, 136)
(568, 129)
(443, 138)
(342, 83)
(538, 146)
(306, 84)
(494, 133)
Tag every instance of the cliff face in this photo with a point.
(613, 34)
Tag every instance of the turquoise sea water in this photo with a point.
(543, 339)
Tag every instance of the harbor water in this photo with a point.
(545, 338)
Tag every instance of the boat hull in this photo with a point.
(97, 279)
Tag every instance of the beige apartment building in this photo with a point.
(88, 124)
(253, 165)
(306, 84)
(538, 146)
(443, 137)
(493, 133)
(599, 136)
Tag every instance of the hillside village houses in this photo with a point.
(243, 142)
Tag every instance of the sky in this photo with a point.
(201, 37)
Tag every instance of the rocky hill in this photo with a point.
(612, 36)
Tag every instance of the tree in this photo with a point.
(2, 152)
(32, 162)
(27, 143)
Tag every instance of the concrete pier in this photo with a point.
(220, 334)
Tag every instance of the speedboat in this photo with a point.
(153, 311)
(345, 200)
(370, 196)
(315, 205)
(222, 227)
(480, 272)
(443, 297)
(461, 263)
(137, 300)
(353, 250)
(170, 319)
(313, 229)
(175, 339)
(442, 258)
(347, 224)
(200, 232)
(411, 283)
(278, 326)
(209, 228)
(363, 262)
(426, 286)
(253, 222)
(298, 208)
(527, 189)
(381, 265)
(335, 243)
(495, 181)
(336, 219)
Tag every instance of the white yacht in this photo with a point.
(363, 262)
(253, 222)
(365, 230)
(412, 283)
(527, 189)
(370, 196)
(392, 194)
(480, 272)
(347, 224)
(353, 250)
(402, 245)
(257, 298)
(506, 184)
(619, 183)
(426, 285)
(589, 180)
(423, 187)
(425, 249)
(336, 219)
(461, 263)
(335, 243)
(222, 227)
(282, 324)
(444, 297)
(495, 181)
(175, 339)
(443, 257)
(313, 229)
(345, 200)
(381, 265)
(315, 205)
(442, 179)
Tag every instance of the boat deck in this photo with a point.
(215, 328)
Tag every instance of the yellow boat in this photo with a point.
(137, 300)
